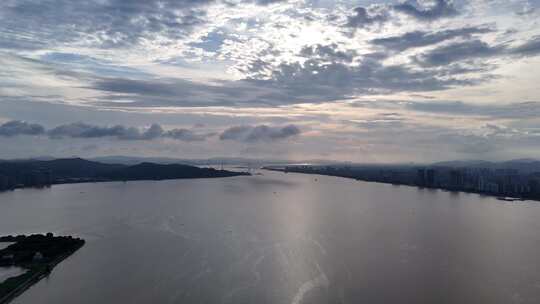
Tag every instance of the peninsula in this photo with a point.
(43, 173)
(37, 254)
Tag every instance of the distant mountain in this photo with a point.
(41, 173)
(216, 161)
(465, 164)
(75, 167)
(132, 160)
(151, 171)
(525, 165)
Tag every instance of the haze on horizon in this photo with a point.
(361, 81)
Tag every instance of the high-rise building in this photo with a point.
(421, 177)
(456, 179)
(430, 177)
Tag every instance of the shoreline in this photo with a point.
(498, 197)
(97, 180)
(35, 272)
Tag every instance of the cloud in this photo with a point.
(425, 38)
(252, 62)
(83, 130)
(111, 24)
(17, 127)
(529, 48)
(261, 133)
(363, 17)
(168, 92)
(154, 131)
(270, 65)
(458, 51)
(187, 135)
(329, 52)
(107, 24)
(440, 9)
(521, 110)
(378, 14)
(324, 77)
(476, 49)
(317, 79)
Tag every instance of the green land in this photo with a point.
(36, 253)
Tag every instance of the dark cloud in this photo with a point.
(458, 51)
(440, 9)
(32, 24)
(17, 127)
(331, 72)
(329, 52)
(164, 87)
(175, 92)
(155, 131)
(318, 80)
(82, 130)
(424, 38)
(261, 133)
(529, 48)
(328, 74)
(476, 49)
(522, 110)
(377, 14)
(363, 17)
(107, 23)
(187, 135)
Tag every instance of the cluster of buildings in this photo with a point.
(501, 182)
(33, 178)
(498, 182)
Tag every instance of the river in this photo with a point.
(280, 238)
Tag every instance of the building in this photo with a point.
(38, 256)
(421, 177)
(456, 179)
(430, 177)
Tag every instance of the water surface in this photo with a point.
(280, 238)
(8, 272)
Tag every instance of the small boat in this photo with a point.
(510, 199)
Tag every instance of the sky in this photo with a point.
(361, 81)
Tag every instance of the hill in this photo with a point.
(151, 171)
(521, 165)
(37, 173)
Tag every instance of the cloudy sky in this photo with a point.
(365, 81)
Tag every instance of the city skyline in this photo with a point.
(360, 81)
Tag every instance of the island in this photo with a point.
(37, 254)
(44, 173)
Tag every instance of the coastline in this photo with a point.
(498, 197)
(102, 180)
(35, 272)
